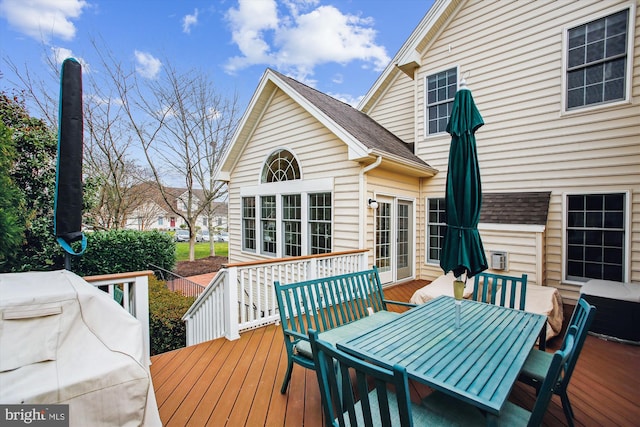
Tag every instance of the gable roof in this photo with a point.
(365, 138)
(531, 208)
(408, 57)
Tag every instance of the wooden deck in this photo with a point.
(236, 383)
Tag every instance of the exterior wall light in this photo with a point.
(373, 204)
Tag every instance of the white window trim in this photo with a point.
(426, 231)
(630, 60)
(425, 98)
(627, 235)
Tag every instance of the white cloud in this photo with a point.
(297, 42)
(189, 21)
(43, 19)
(147, 65)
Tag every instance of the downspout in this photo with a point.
(363, 202)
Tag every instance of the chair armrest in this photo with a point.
(405, 304)
(296, 335)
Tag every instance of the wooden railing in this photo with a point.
(135, 296)
(241, 296)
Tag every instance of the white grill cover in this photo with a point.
(64, 341)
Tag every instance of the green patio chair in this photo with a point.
(458, 413)
(380, 407)
(509, 291)
(537, 363)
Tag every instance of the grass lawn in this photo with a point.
(202, 250)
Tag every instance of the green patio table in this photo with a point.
(477, 363)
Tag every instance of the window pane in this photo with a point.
(280, 166)
(435, 228)
(441, 89)
(249, 224)
(577, 56)
(292, 225)
(595, 249)
(598, 48)
(268, 220)
(320, 239)
(595, 51)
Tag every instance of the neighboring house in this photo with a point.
(558, 86)
(154, 213)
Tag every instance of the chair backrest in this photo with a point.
(581, 318)
(510, 290)
(341, 376)
(558, 361)
(327, 302)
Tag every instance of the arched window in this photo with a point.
(280, 166)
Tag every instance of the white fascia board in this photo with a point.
(527, 228)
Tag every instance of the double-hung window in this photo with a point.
(595, 236)
(436, 228)
(268, 221)
(249, 224)
(292, 225)
(441, 90)
(597, 55)
(320, 223)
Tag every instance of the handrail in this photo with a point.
(176, 283)
(296, 258)
(242, 297)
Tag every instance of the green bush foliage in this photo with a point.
(120, 251)
(33, 173)
(166, 329)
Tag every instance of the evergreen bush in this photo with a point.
(167, 331)
(121, 251)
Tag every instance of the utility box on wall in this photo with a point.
(499, 261)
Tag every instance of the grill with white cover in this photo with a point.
(64, 341)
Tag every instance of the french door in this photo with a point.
(394, 239)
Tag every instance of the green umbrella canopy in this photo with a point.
(462, 248)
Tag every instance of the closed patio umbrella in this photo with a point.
(462, 249)
(68, 192)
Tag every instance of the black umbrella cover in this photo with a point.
(68, 194)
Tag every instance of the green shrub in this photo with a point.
(120, 251)
(167, 331)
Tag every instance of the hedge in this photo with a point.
(121, 251)
(167, 331)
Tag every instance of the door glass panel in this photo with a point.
(383, 236)
(403, 240)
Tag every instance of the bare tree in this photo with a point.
(108, 159)
(181, 123)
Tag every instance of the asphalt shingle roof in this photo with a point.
(358, 124)
(515, 208)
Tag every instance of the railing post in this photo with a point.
(364, 260)
(312, 269)
(230, 299)
(141, 306)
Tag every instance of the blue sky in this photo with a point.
(336, 46)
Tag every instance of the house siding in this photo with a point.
(320, 154)
(394, 111)
(511, 55)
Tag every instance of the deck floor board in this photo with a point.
(233, 383)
